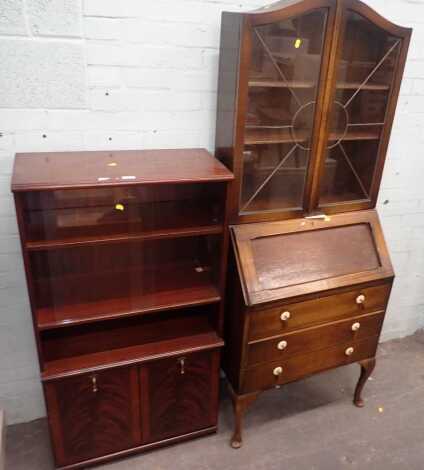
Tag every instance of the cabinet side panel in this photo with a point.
(235, 326)
(227, 86)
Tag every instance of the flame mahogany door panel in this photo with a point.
(94, 414)
(179, 395)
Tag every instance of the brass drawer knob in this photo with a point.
(277, 371)
(282, 345)
(360, 299)
(349, 351)
(356, 326)
(285, 316)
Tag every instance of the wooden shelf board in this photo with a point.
(130, 355)
(121, 238)
(268, 83)
(258, 137)
(77, 314)
(299, 84)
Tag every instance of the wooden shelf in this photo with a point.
(281, 136)
(130, 355)
(367, 86)
(181, 286)
(302, 84)
(104, 224)
(150, 235)
(268, 83)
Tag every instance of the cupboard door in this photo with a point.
(179, 395)
(368, 69)
(92, 415)
(283, 82)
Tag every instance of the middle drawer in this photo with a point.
(314, 339)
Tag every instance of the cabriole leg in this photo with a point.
(367, 366)
(240, 405)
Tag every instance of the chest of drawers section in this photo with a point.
(288, 318)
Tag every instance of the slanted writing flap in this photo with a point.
(290, 258)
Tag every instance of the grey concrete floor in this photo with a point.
(308, 425)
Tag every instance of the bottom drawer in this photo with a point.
(179, 395)
(267, 375)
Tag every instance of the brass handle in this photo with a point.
(94, 383)
(285, 316)
(182, 365)
(277, 371)
(360, 299)
(356, 326)
(282, 345)
(349, 351)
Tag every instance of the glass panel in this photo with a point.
(364, 79)
(283, 82)
(84, 282)
(95, 215)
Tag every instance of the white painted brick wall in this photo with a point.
(103, 74)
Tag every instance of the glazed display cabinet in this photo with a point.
(125, 257)
(307, 95)
(306, 99)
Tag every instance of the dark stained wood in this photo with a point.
(284, 271)
(314, 339)
(89, 312)
(61, 170)
(240, 404)
(93, 414)
(324, 308)
(301, 293)
(367, 366)
(261, 377)
(125, 276)
(182, 394)
(130, 355)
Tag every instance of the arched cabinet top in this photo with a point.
(288, 8)
(375, 17)
(285, 9)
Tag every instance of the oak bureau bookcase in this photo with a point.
(125, 257)
(306, 98)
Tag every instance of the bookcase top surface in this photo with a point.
(61, 170)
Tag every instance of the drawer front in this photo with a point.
(92, 415)
(314, 339)
(263, 376)
(269, 322)
(179, 395)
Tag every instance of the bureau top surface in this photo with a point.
(58, 170)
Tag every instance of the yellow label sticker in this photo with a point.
(297, 43)
(119, 207)
(112, 164)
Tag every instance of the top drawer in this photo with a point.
(288, 317)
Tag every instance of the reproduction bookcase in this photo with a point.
(306, 99)
(125, 257)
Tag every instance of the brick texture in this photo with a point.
(108, 74)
